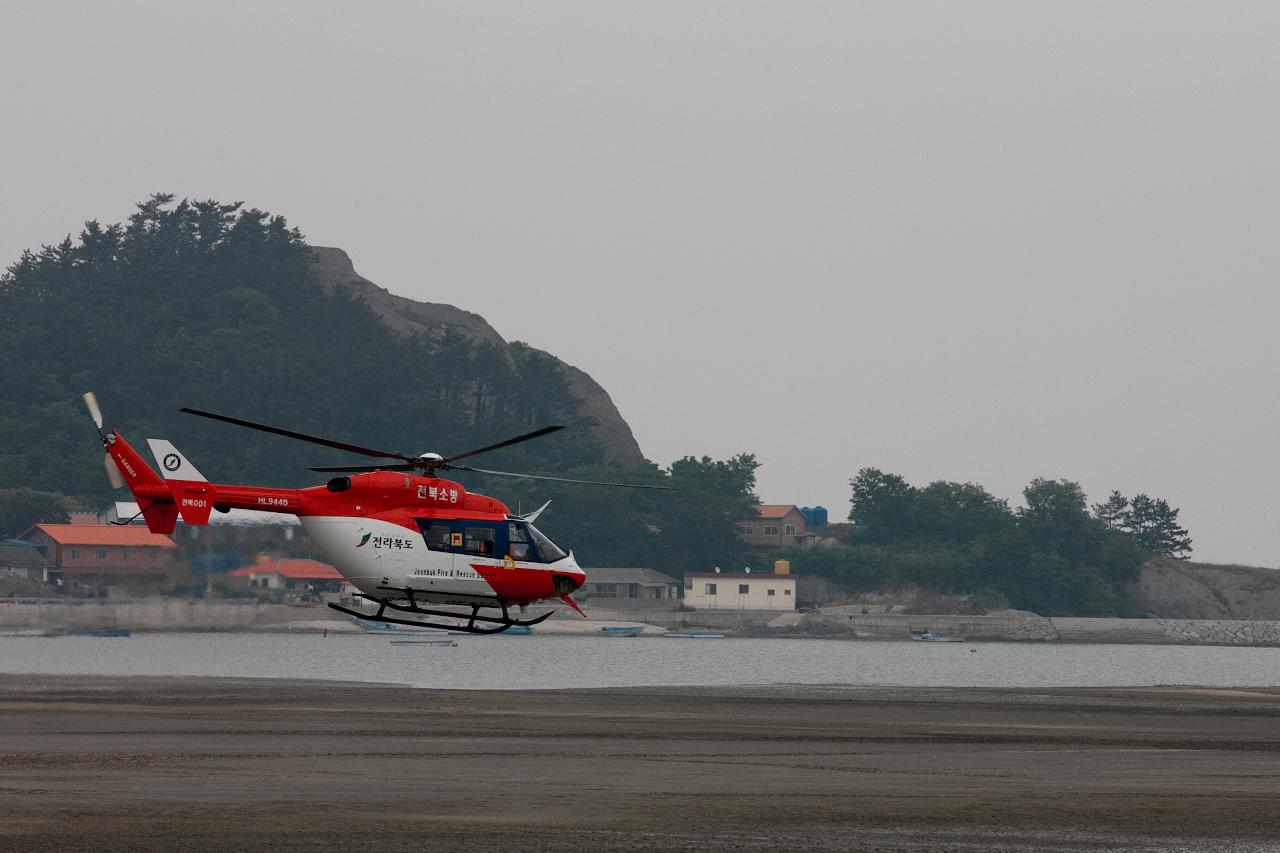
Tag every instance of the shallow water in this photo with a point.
(535, 662)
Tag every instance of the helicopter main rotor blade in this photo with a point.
(560, 479)
(537, 433)
(301, 436)
(365, 469)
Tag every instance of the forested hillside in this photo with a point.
(1053, 556)
(219, 307)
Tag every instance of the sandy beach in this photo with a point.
(219, 764)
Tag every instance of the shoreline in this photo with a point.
(145, 764)
(53, 686)
(838, 623)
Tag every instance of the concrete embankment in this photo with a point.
(1032, 628)
(169, 614)
(1017, 627)
(172, 614)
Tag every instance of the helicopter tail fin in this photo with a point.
(173, 464)
(190, 490)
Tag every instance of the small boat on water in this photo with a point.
(100, 632)
(694, 635)
(446, 643)
(513, 631)
(927, 636)
(622, 631)
(374, 627)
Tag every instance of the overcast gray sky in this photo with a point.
(981, 241)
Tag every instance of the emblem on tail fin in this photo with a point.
(174, 465)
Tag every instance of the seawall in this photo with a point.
(1020, 627)
(173, 614)
(169, 614)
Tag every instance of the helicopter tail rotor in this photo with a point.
(91, 403)
(113, 472)
(95, 412)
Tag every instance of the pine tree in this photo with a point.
(1170, 538)
(1154, 524)
(1113, 512)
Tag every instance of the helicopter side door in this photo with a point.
(433, 570)
(477, 543)
(453, 545)
(484, 539)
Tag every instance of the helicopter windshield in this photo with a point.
(549, 551)
(526, 542)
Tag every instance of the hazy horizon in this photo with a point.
(983, 242)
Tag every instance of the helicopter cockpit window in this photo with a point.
(518, 542)
(437, 535)
(548, 551)
(478, 540)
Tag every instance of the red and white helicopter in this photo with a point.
(400, 534)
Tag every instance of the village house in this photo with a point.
(630, 585)
(746, 590)
(296, 575)
(776, 526)
(87, 559)
(24, 559)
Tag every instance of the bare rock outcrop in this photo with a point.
(408, 317)
(400, 313)
(1174, 589)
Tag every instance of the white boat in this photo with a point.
(446, 643)
(372, 626)
(929, 637)
(622, 631)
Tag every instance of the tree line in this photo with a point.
(1052, 556)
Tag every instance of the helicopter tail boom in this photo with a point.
(162, 499)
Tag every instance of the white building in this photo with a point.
(739, 591)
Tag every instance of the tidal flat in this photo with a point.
(152, 764)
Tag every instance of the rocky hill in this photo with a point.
(1176, 589)
(218, 307)
(407, 317)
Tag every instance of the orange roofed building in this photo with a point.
(86, 559)
(776, 526)
(292, 574)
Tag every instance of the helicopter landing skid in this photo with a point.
(488, 624)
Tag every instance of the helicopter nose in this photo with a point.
(565, 582)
